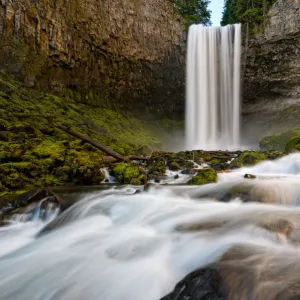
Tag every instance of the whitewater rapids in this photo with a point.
(119, 245)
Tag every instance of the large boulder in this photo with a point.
(250, 158)
(199, 285)
(278, 141)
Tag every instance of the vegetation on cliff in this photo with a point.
(35, 151)
(194, 11)
(236, 11)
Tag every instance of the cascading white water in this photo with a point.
(118, 245)
(213, 87)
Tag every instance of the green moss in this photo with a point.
(128, 173)
(204, 176)
(249, 158)
(157, 167)
(50, 149)
(278, 141)
(34, 151)
(142, 150)
(293, 145)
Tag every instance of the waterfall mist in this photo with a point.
(213, 87)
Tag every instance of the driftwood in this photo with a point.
(113, 156)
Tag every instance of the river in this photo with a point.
(120, 244)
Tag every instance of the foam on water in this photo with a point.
(116, 245)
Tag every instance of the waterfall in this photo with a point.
(213, 87)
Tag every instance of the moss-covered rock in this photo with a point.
(293, 145)
(278, 141)
(129, 173)
(250, 158)
(204, 176)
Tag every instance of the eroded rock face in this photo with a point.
(271, 87)
(130, 53)
(272, 66)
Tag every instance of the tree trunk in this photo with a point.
(113, 156)
(94, 143)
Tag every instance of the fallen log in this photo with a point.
(110, 159)
(94, 143)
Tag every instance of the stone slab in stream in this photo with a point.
(200, 285)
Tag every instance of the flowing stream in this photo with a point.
(117, 244)
(213, 87)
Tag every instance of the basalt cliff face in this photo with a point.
(125, 54)
(273, 61)
(271, 87)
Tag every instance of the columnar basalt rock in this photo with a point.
(272, 67)
(271, 82)
(128, 54)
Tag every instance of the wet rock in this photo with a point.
(189, 171)
(149, 186)
(219, 167)
(250, 158)
(200, 285)
(106, 180)
(157, 180)
(249, 176)
(26, 198)
(241, 191)
(176, 176)
(204, 176)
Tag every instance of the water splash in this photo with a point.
(116, 245)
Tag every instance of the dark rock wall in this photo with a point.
(273, 58)
(125, 54)
(271, 81)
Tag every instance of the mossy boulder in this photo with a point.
(293, 145)
(278, 141)
(179, 164)
(129, 173)
(250, 158)
(157, 168)
(204, 176)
